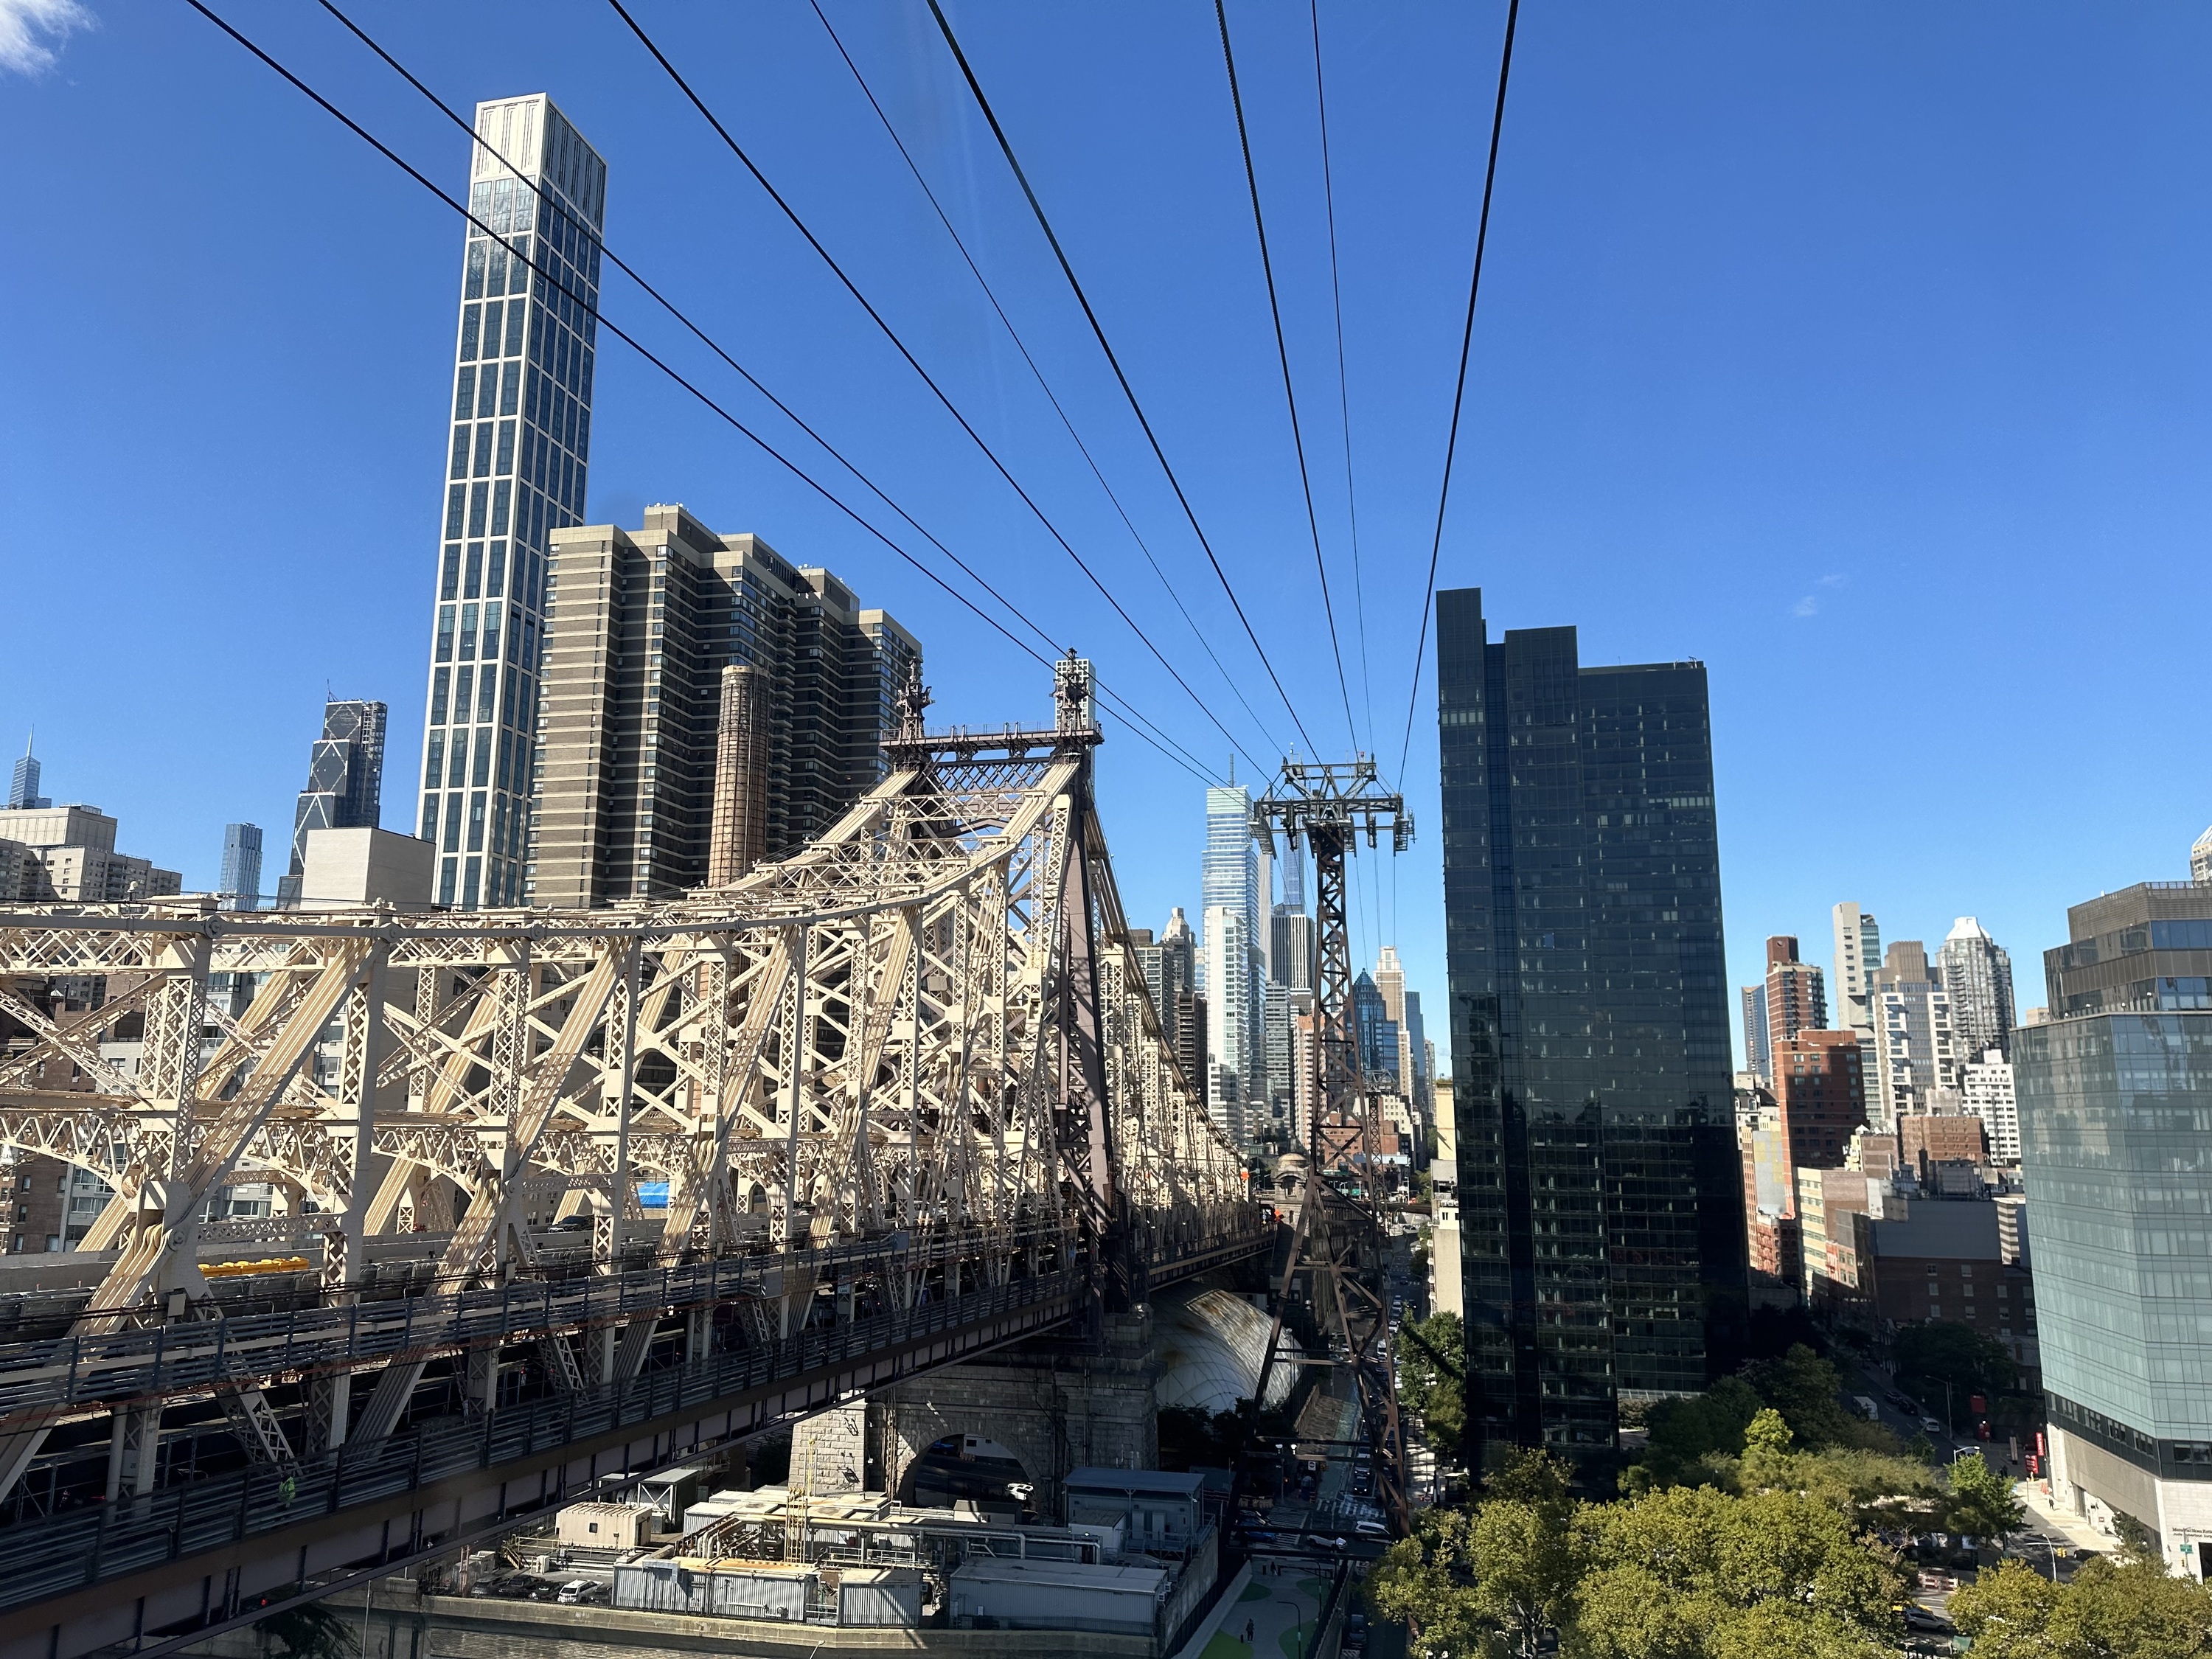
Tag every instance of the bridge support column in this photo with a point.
(484, 1377)
(330, 1403)
(134, 1444)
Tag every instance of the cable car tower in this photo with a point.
(1338, 1241)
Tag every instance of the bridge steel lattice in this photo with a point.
(906, 1091)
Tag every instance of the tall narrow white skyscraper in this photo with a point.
(1234, 979)
(520, 435)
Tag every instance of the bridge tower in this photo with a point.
(1337, 1244)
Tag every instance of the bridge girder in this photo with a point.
(930, 1020)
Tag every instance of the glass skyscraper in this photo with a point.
(240, 884)
(521, 435)
(2114, 1096)
(345, 782)
(1601, 1212)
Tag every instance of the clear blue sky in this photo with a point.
(1859, 351)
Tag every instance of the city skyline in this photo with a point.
(378, 397)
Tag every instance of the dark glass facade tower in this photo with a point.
(345, 782)
(1600, 1209)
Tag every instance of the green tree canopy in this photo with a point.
(1431, 1372)
(1981, 1501)
(2132, 1610)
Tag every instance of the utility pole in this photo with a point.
(1338, 1241)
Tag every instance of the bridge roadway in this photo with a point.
(151, 1573)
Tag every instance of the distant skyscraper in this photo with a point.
(1235, 1035)
(1987, 1089)
(521, 434)
(1230, 974)
(240, 886)
(1376, 1032)
(2113, 1093)
(24, 788)
(1974, 969)
(1290, 957)
(1758, 1049)
(1858, 953)
(1917, 1056)
(1294, 875)
(1601, 1205)
(640, 628)
(1391, 981)
(1418, 1048)
(1797, 994)
(345, 781)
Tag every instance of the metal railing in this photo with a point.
(155, 1361)
(51, 1556)
(158, 1361)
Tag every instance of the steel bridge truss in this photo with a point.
(929, 1025)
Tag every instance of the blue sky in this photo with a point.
(1857, 351)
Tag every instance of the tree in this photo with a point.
(2133, 1610)
(1686, 1434)
(1690, 1571)
(1929, 1356)
(1981, 1501)
(1431, 1374)
(1493, 1584)
(1806, 1390)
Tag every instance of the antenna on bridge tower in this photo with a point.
(1338, 1236)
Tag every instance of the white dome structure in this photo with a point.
(2200, 860)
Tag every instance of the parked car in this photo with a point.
(1370, 1529)
(581, 1592)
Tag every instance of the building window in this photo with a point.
(464, 392)
(430, 818)
(452, 837)
(450, 575)
(445, 633)
(445, 879)
(433, 759)
(471, 321)
(476, 840)
(469, 884)
(486, 699)
(438, 684)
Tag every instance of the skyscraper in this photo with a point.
(1976, 973)
(1917, 1057)
(520, 438)
(24, 788)
(1858, 954)
(1229, 974)
(1797, 994)
(1290, 954)
(1417, 1049)
(345, 781)
(1375, 1032)
(1235, 1035)
(1390, 982)
(241, 884)
(642, 626)
(2113, 1093)
(1590, 1038)
(1758, 1049)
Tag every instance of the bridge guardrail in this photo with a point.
(174, 1358)
(151, 1361)
(53, 1555)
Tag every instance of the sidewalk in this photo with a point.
(1281, 1603)
(2052, 1518)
